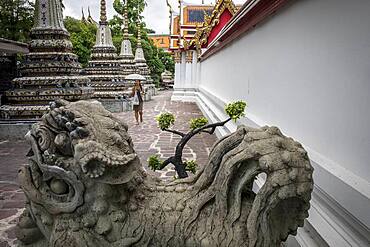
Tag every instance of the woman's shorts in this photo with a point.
(139, 107)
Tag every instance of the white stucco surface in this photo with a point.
(306, 70)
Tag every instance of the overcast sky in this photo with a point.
(156, 13)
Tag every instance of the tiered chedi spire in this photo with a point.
(104, 70)
(126, 56)
(140, 61)
(50, 71)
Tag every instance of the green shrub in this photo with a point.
(191, 166)
(198, 122)
(165, 120)
(154, 162)
(236, 110)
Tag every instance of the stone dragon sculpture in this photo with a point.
(85, 186)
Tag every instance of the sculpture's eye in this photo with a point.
(58, 186)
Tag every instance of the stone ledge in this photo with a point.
(116, 105)
(14, 130)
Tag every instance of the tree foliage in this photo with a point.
(191, 166)
(16, 19)
(198, 122)
(165, 120)
(236, 110)
(154, 162)
(83, 37)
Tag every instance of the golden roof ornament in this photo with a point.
(90, 19)
(210, 21)
(83, 19)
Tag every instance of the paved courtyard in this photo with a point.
(147, 138)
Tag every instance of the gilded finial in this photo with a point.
(138, 34)
(103, 11)
(125, 22)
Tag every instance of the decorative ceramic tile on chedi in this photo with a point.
(50, 71)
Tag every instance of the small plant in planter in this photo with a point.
(197, 126)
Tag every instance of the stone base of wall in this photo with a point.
(116, 105)
(184, 94)
(122, 105)
(14, 130)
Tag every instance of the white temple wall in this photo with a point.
(183, 70)
(198, 75)
(177, 82)
(194, 70)
(188, 75)
(307, 71)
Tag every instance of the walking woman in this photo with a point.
(137, 93)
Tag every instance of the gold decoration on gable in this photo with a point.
(203, 31)
(186, 43)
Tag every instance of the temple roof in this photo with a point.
(83, 19)
(195, 14)
(12, 47)
(212, 25)
(246, 19)
(160, 40)
(89, 18)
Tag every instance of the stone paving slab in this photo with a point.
(148, 140)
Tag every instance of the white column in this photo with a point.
(177, 58)
(185, 89)
(189, 69)
(183, 70)
(177, 75)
